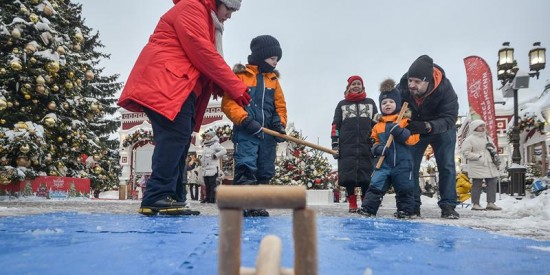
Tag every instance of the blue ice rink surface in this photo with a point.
(83, 243)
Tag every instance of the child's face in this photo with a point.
(355, 87)
(387, 106)
(272, 61)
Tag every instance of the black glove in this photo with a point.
(278, 127)
(336, 148)
(214, 156)
(251, 126)
(417, 127)
(400, 134)
(379, 150)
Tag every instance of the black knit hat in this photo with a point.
(388, 90)
(422, 68)
(263, 47)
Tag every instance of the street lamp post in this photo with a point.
(512, 80)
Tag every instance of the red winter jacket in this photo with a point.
(180, 54)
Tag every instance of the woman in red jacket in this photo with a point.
(172, 81)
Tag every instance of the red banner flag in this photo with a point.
(480, 93)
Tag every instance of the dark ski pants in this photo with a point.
(172, 140)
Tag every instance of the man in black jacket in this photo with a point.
(434, 106)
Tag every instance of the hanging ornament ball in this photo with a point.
(68, 85)
(70, 74)
(55, 88)
(90, 75)
(2, 121)
(16, 33)
(53, 67)
(33, 60)
(34, 18)
(49, 121)
(48, 10)
(59, 139)
(25, 148)
(97, 157)
(23, 9)
(40, 80)
(61, 50)
(78, 37)
(52, 106)
(76, 47)
(3, 104)
(94, 106)
(3, 71)
(23, 161)
(309, 185)
(30, 48)
(21, 125)
(98, 169)
(35, 101)
(16, 65)
(27, 96)
(40, 89)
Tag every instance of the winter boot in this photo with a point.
(352, 202)
(492, 206)
(403, 215)
(477, 207)
(364, 212)
(167, 206)
(449, 212)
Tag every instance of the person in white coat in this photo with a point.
(480, 165)
(212, 153)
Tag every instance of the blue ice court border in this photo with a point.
(83, 243)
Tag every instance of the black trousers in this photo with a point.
(194, 191)
(210, 182)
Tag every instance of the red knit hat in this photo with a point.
(353, 78)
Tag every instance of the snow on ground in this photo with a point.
(528, 217)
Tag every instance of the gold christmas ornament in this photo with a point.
(27, 96)
(25, 148)
(21, 125)
(15, 50)
(79, 37)
(23, 9)
(2, 121)
(40, 80)
(52, 106)
(48, 11)
(98, 169)
(70, 74)
(97, 157)
(35, 101)
(61, 50)
(53, 67)
(23, 161)
(33, 60)
(16, 65)
(59, 139)
(68, 85)
(27, 86)
(55, 88)
(94, 106)
(49, 121)
(65, 106)
(10, 104)
(30, 48)
(3, 71)
(34, 18)
(16, 33)
(89, 75)
(76, 47)
(3, 104)
(40, 89)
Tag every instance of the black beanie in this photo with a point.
(263, 47)
(388, 90)
(422, 68)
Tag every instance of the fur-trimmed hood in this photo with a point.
(240, 68)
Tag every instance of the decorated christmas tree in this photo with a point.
(56, 105)
(303, 166)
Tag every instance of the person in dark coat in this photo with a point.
(434, 107)
(351, 130)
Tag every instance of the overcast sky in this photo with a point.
(324, 42)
